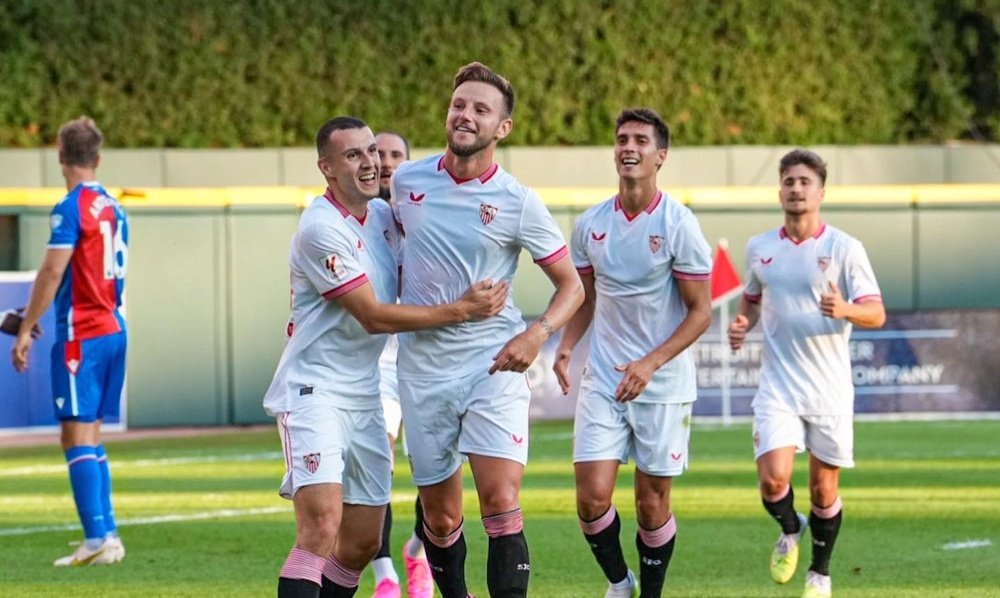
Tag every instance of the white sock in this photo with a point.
(384, 570)
(415, 548)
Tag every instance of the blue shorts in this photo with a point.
(87, 377)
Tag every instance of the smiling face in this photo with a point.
(476, 118)
(351, 164)
(392, 152)
(636, 153)
(801, 190)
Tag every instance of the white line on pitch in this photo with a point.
(967, 544)
(22, 531)
(116, 463)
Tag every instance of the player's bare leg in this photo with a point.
(442, 534)
(508, 566)
(774, 471)
(317, 518)
(824, 522)
(657, 531)
(600, 523)
(358, 539)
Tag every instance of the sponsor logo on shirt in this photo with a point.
(766, 260)
(487, 212)
(305, 390)
(655, 242)
(823, 262)
(597, 237)
(332, 265)
(416, 198)
(312, 462)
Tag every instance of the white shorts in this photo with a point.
(476, 414)
(829, 438)
(326, 445)
(656, 435)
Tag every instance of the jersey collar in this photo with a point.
(492, 170)
(783, 234)
(340, 207)
(649, 209)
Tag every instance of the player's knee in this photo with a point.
(652, 509)
(440, 523)
(591, 507)
(822, 494)
(499, 500)
(772, 486)
(317, 533)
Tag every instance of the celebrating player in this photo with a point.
(645, 267)
(463, 388)
(808, 283)
(325, 392)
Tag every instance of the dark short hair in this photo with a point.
(80, 142)
(406, 142)
(477, 71)
(650, 117)
(810, 160)
(337, 123)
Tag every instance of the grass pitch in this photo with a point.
(201, 517)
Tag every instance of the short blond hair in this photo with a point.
(80, 142)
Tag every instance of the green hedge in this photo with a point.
(256, 73)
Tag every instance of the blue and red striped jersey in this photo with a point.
(91, 223)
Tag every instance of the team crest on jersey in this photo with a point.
(312, 462)
(333, 265)
(487, 212)
(655, 242)
(823, 263)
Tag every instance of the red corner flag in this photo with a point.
(725, 281)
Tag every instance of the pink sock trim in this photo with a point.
(302, 564)
(600, 524)
(829, 512)
(659, 537)
(336, 572)
(444, 541)
(504, 524)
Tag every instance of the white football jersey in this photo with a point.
(806, 365)
(636, 262)
(328, 354)
(459, 232)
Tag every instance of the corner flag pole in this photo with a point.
(725, 285)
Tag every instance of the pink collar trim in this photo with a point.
(783, 234)
(492, 170)
(649, 209)
(340, 207)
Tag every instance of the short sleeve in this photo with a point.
(578, 244)
(330, 260)
(752, 289)
(539, 233)
(859, 277)
(692, 254)
(65, 224)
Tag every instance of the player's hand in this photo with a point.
(738, 332)
(519, 352)
(19, 354)
(10, 323)
(637, 376)
(832, 303)
(484, 299)
(561, 368)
